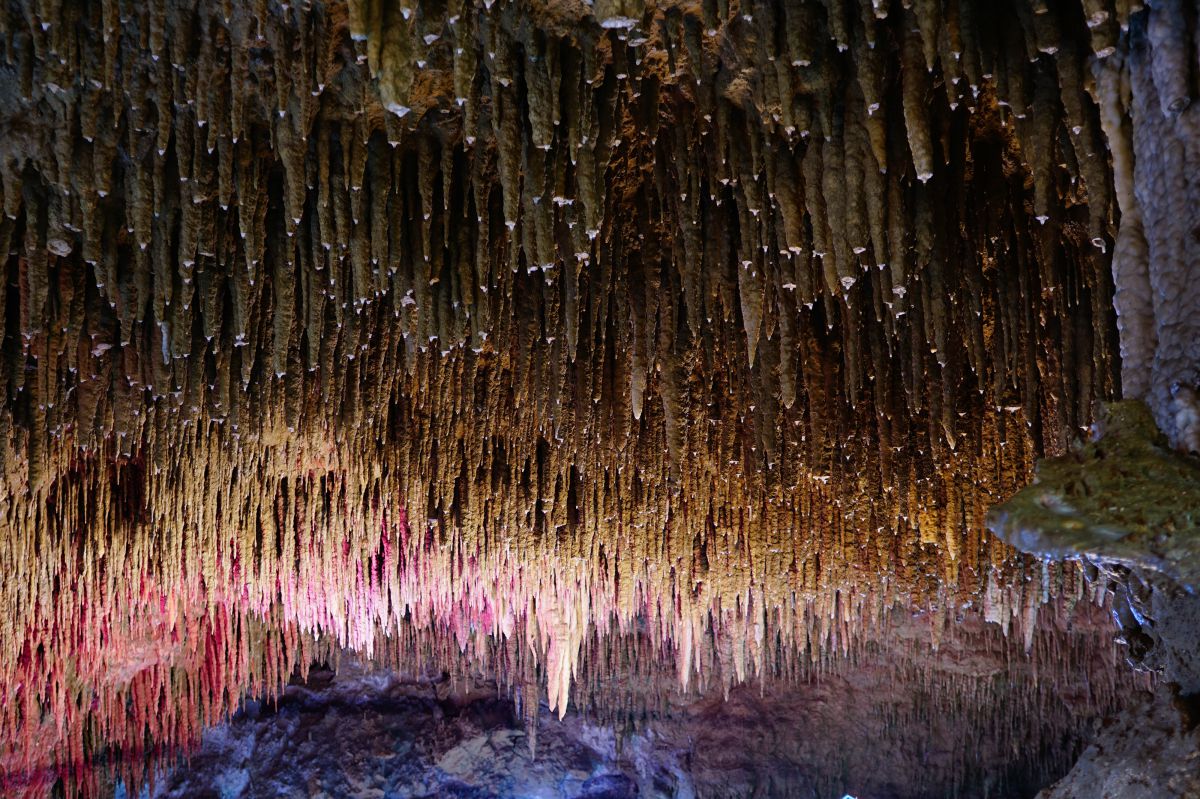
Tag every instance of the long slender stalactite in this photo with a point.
(553, 341)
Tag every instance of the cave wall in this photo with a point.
(1145, 93)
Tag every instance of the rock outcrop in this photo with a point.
(1129, 505)
(1152, 750)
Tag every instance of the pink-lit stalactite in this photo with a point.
(168, 654)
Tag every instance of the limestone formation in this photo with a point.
(549, 340)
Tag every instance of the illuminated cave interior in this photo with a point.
(600, 398)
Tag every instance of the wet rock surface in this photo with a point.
(1123, 498)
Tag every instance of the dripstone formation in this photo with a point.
(553, 342)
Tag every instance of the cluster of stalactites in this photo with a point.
(603, 304)
(731, 321)
(210, 210)
(141, 613)
(775, 75)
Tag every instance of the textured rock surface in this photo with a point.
(1123, 498)
(1151, 750)
(370, 733)
(374, 736)
(1166, 143)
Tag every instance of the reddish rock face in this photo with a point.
(616, 355)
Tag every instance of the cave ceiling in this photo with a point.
(617, 351)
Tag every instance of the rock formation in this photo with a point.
(1150, 751)
(544, 342)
